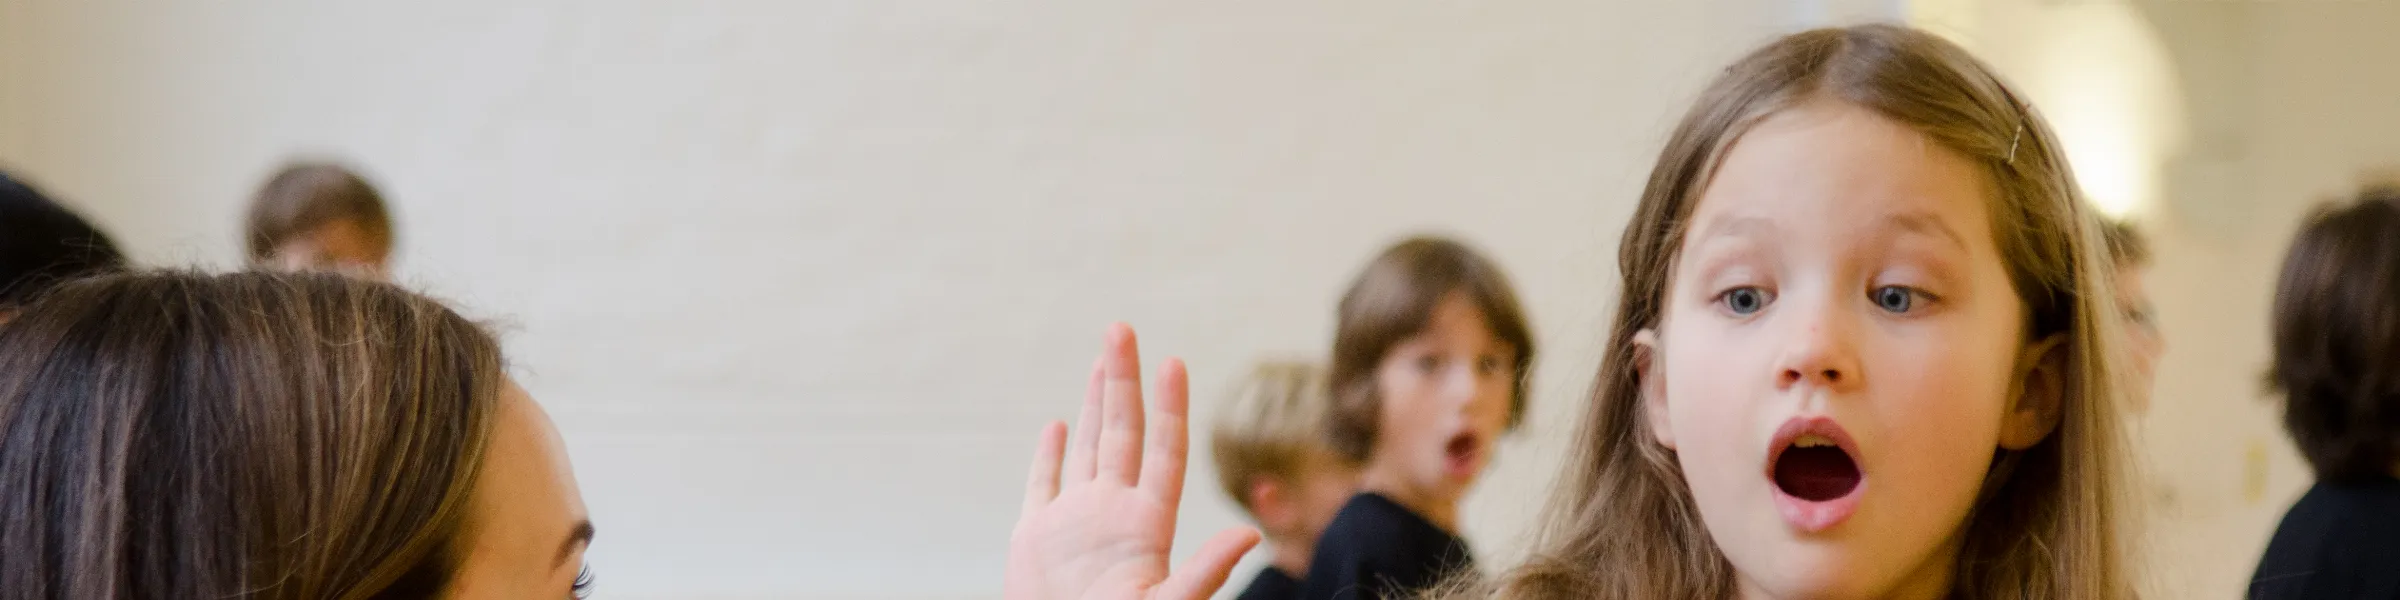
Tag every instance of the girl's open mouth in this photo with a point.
(1463, 456)
(1814, 468)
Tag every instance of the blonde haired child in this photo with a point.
(1272, 460)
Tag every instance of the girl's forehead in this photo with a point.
(1835, 171)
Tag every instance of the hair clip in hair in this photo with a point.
(2012, 143)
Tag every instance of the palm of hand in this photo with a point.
(1101, 525)
(1112, 543)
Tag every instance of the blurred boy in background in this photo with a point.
(1273, 461)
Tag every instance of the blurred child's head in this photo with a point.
(319, 216)
(2129, 253)
(2337, 339)
(1858, 351)
(1429, 364)
(43, 243)
(1272, 459)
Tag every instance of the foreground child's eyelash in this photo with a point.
(583, 582)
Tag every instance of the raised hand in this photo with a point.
(1103, 527)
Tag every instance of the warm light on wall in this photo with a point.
(2104, 144)
(2106, 85)
(2097, 72)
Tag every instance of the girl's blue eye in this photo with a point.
(1744, 301)
(1895, 299)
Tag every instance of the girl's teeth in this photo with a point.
(1811, 441)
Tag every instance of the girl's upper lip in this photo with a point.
(1818, 425)
(1474, 440)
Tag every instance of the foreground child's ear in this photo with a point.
(2041, 388)
(1653, 387)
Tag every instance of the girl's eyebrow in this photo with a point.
(1736, 226)
(1927, 224)
(1917, 222)
(581, 533)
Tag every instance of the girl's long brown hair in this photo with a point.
(1621, 522)
(175, 435)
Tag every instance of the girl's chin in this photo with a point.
(1448, 484)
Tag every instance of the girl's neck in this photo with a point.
(1915, 589)
(1931, 580)
(1430, 504)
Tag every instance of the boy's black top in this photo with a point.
(1271, 584)
(2339, 541)
(1376, 549)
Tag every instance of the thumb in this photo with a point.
(1206, 571)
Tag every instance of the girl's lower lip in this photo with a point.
(1813, 516)
(1462, 466)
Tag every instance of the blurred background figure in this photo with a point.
(1431, 353)
(2337, 364)
(43, 243)
(1272, 460)
(320, 216)
(2129, 252)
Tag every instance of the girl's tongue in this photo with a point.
(1816, 473)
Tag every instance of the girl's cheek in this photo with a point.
(1392, 384)
(1709, 417)
(1703, 397)
(1715, 384)
(1940, 409)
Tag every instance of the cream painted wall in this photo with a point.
(11, 85)
(799, 281)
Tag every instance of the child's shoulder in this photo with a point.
(1271, 584)
(1376, 541)
(1373, 523)
(1368, 512)
(2369, 508)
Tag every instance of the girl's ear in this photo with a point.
(2041, 394)
(1653, 387)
